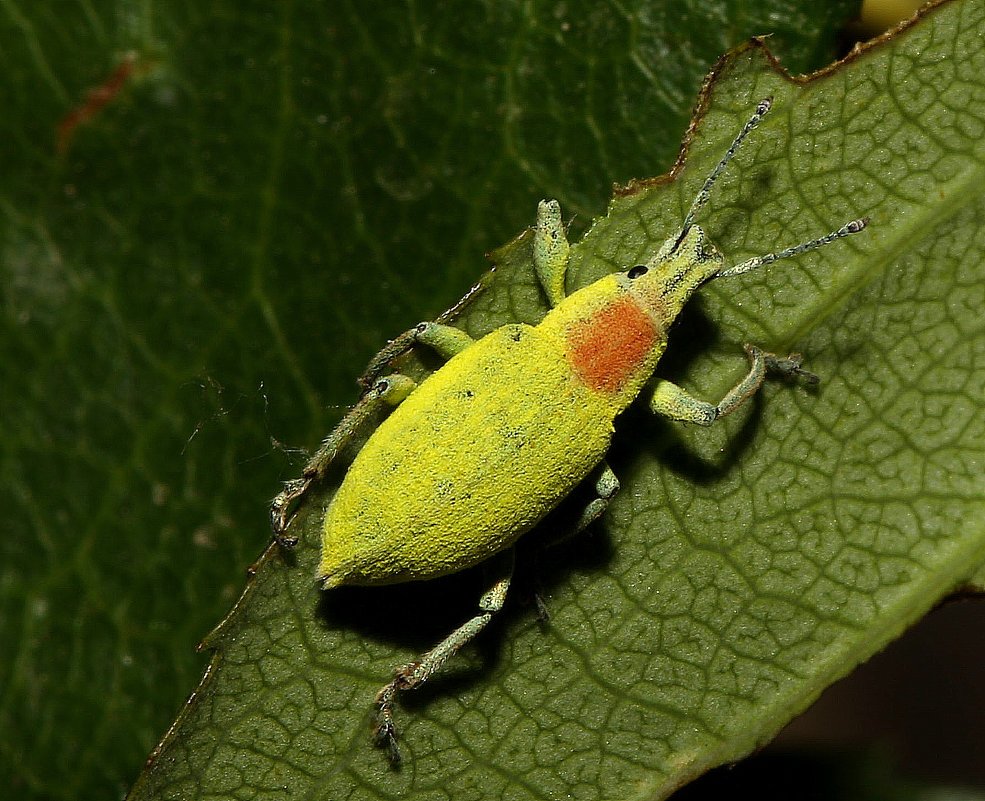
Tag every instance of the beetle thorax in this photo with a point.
(670, 280)
(611, 340)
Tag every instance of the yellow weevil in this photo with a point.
(480, 451)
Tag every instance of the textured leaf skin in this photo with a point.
(212, 259)
(741, 570)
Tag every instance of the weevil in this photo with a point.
(480, 451)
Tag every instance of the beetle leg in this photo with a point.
(445, 340)
(414, 674)
(551, 250)
(389, 391)
(606, 487)
(670, 401)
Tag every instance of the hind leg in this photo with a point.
(413, 675)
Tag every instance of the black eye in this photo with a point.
(637, 271)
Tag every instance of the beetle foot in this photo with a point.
(385, 731)
(790, 366)
(282, 511)
(386, 737)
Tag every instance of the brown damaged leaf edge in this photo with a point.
(274, 553)
(758, 43)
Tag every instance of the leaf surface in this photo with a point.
(742, 568)
(212, 215)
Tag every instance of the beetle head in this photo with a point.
(664, 284)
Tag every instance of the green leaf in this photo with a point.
(742, 568)
(976, 582)
(269, 191)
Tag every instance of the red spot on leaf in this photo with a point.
(608, 347)
(96, 100)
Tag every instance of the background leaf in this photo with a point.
(170, 277)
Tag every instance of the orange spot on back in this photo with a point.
(608, 347)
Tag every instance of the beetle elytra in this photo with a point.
(487, 445)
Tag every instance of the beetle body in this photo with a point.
(502, 432)
(466, 465)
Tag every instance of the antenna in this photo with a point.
(762, 109)
(847, 229)
(701, 198)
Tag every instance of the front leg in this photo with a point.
(669, 400)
